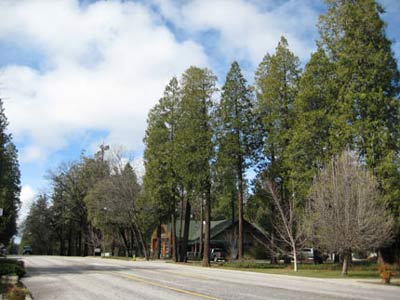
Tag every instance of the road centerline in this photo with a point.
(139, 279)
(186, 275)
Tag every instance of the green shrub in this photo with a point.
(12, 267)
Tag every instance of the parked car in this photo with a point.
(97, 251)
(217, 254)
(27, 250)
(3, 251)
(312, 255)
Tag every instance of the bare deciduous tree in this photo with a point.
(345, 213)
(288, 224)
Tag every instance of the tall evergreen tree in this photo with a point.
(313, 136)
(236, 142)
(37, 231)
(354, 36)
(194, 140)
(276, 86)
(72, 187)
(9, 181)
(161, 178)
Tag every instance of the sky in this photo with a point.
(76, 74)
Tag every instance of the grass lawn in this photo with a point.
(356, 271)
(359, 274)
(328, 270)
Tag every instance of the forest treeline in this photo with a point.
(201, 145)
(9, 182)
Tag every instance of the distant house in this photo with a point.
(223, 234)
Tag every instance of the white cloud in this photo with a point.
(105, 66)
(27, 197)
(246, 31)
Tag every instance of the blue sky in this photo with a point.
(75, 74)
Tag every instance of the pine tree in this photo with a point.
(161, 180)
(36, 229)
(314, 137)
(276, 86)
(367, 82)
(9, 181)
(236, 142)
(194, 140)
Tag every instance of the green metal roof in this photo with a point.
(194, 229)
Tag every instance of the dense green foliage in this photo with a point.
(161, 182)
(236, 144)
(12, 267)
(36, 232)
(9, 182)
(367, 76)
(200, 146)
(95, 203)
(276, 86)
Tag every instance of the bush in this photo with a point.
(12, 267)
(386, 272)
(17, 293)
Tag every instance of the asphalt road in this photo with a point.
(54, 277)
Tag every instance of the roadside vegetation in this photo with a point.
(11, 270)
(11, 267)
(322, 144)
(357, 270)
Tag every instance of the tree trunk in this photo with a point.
(142, 241)
(346, 262)
(185, 232)
(207, 211)
(133, 240)
(85, 244)
(126, 243)
(69, 250)
(201, 229)
(79, 242)
(137, 249)
(274, 255)
(85, 237)
(233, 209)
(388, 255)
(62, 247)
(159, 240)
(113, 247)
(336, 258)
(241, 237)
(173, 238)
(294, 259)
(179, 243)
